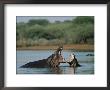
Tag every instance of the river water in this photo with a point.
(25, 56)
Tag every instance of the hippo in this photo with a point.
(90, 55)
(36, 64)
(51, 61)
(73, 61)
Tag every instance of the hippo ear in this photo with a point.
(73, 55)
(61, 46)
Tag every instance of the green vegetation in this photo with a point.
(42, 32)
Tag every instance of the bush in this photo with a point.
(42, 32)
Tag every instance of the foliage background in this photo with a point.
(37, 32)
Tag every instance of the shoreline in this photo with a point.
(75, 47)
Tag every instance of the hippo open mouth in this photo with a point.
(53, 60)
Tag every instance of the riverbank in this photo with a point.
(75, 47)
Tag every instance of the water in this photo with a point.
(23, 57)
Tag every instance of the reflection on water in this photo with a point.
(23, 57)
(59, 70)
(56, 70)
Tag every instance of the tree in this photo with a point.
(83, 20)
(38, 21)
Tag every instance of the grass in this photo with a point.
(76, 47)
